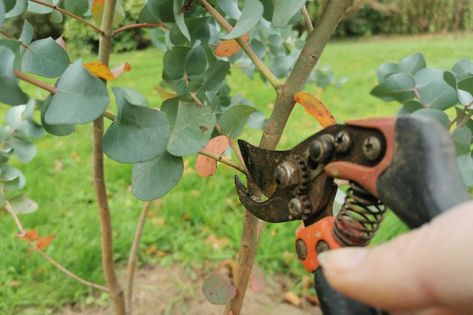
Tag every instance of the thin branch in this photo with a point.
(14, 39)
(116, 292)
(310, 55)
(464, 121)
(275, 82)
(132, 258)
(53, 262)
(135, 26)
(110, 116)
(233, 145)
(36, 82)
(308, 21)
(70, 14)
(219, 158)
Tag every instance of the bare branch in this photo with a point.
(308, 21)
(68, 13)
(132, 258)
(135, 26)
(35, 82)
(53, 262)
(244, 45)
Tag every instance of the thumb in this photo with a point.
(430, 266)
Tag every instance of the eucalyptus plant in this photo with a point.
(201, 108)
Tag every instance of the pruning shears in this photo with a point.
(403, 163)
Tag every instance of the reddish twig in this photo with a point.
(36, 82)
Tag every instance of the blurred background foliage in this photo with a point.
(365, 18)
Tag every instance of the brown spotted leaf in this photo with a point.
(218, 289)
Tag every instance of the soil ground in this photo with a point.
(173, 291)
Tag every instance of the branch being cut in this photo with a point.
(283, 106)
(223, 160)
(244, 45)
(70, 14)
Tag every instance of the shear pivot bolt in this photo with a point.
(295, 207)
(342, 142)
(322, 149)
(372, 148)
(301, 249)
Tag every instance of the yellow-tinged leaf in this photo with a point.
(228, 48)
(316, 108)
(163, 93)
(99, 70)
(97, 11)
(44, 242)
(31, 235)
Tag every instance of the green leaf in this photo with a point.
(250, 16)
(192, 129)
(155, 178)
(40, 9)
(434, 114)
(78, 7)
(46, 58)
(465, 165)
(10, 91)
(464, 97)
(284, 11)
(399, 87)
(257, 120)
(14, 46)
(56, 17)
(81, 98)
(156, 11)
(462, 140)
(230, 8)
(23, 205)
(462, 69)
(23, 149)
(20, 119)
(434, 92)
(138, 134)
(386, 69)
(57, 130)
(27, 33)
(2, 12)
(215, 75)
(12, 178)
(18, 9)
(410, 107)
(234, 120)
(412, 64)
(196, 61)
(174, 62)
(179, 18)
(9, 4)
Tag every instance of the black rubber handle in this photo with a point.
(423, 179)
(333, 302)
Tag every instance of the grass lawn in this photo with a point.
(199, 222)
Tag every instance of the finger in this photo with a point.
(430, 266)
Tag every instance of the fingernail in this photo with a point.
(344, 259)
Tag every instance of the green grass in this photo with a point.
(198, 207)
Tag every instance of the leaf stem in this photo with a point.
(53, 262)
(135, 26)
(219, 158)
(133, 256)
(275, 82)
(70, 14)
(464, 121)
(109, 115)
(43, 85)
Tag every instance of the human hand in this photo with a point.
(426, 271)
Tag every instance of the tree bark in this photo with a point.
(283, 106)
(116, 292)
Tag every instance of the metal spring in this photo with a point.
(359, 217)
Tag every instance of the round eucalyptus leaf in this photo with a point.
(463, 68)
(81, 98)
(230, 8)
(40, 9)
(138, 134)
(218, 289)
(57, 130)
(173, 62)
(434, 92)
(23, 205)
(285, 10)
(234, 120)
(386, 69)
(12, 178)
(192, 129)
(179, 18)
(196, 61)
(10, 91)
(46, 58)
(434, 114)
(78, 7)
(153, 179)
(412, 64)
(410, 107)
(462, 140)
(18, 9)
(250, 16)
(399, 87)
(215, 75)
(26, 33)
(24, 150)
